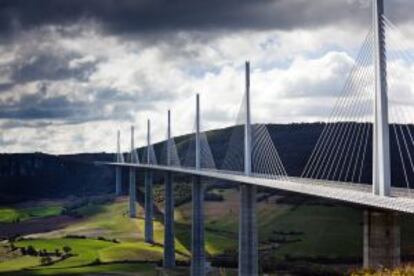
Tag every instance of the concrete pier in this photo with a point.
(381, 239)
(169, 246)
(197, 241)
(133, 158)
(118, 170)
(149, 209)
(149, 204)
(132, 193)
(118, 181)
(248, 244)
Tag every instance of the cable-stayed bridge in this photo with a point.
(352, 193)
(351, 161)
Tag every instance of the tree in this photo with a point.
(31, 250)
(46, 260)
(97, 261)
(23, 250)
(67, 249)
(57, 252)
(43, 252)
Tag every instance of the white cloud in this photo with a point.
(296, 76)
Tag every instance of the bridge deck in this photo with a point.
(359, 194)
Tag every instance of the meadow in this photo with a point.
(23, 212)
(102, 237)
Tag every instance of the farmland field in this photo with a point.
(102, 237)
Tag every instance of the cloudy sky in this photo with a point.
(73, 72)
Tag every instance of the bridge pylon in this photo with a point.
(248, 244)
(197, 237)
(381, 228)
(381, 170)
(169, 246)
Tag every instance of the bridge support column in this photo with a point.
(149, 209)
(132, 194)
(132, 179)
(197, 242)
(381, 239)
(248, 250)
(149, 205)
(169, 246)
(118, 170)
(118, 181)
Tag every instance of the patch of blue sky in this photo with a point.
(198, 71)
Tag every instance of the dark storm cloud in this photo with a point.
(39, 61)
(10, 124)
(34, 107)
(50, 67)
(130, 16)
(6, 86)
(47, 108)
(42, 106)
(39, 106)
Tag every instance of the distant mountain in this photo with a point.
(38, 175)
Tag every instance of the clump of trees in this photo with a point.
(47, 257)
(82, 237)
(181, 191)
(75, 236)
(67, 249)
(46, 260)
(12, 246)
(97, 261)
(31, 251)
(182, 194)
(100, 238)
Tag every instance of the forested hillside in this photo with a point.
(38, 175)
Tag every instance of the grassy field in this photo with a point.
(19, 263)
(322, 231)
(89, 256)
(310, 229)
(114, 268)
(109, 221)
(43, 209)
(112, 221)
(307, 230)
(85, 251)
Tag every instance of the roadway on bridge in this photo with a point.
(359, 194)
